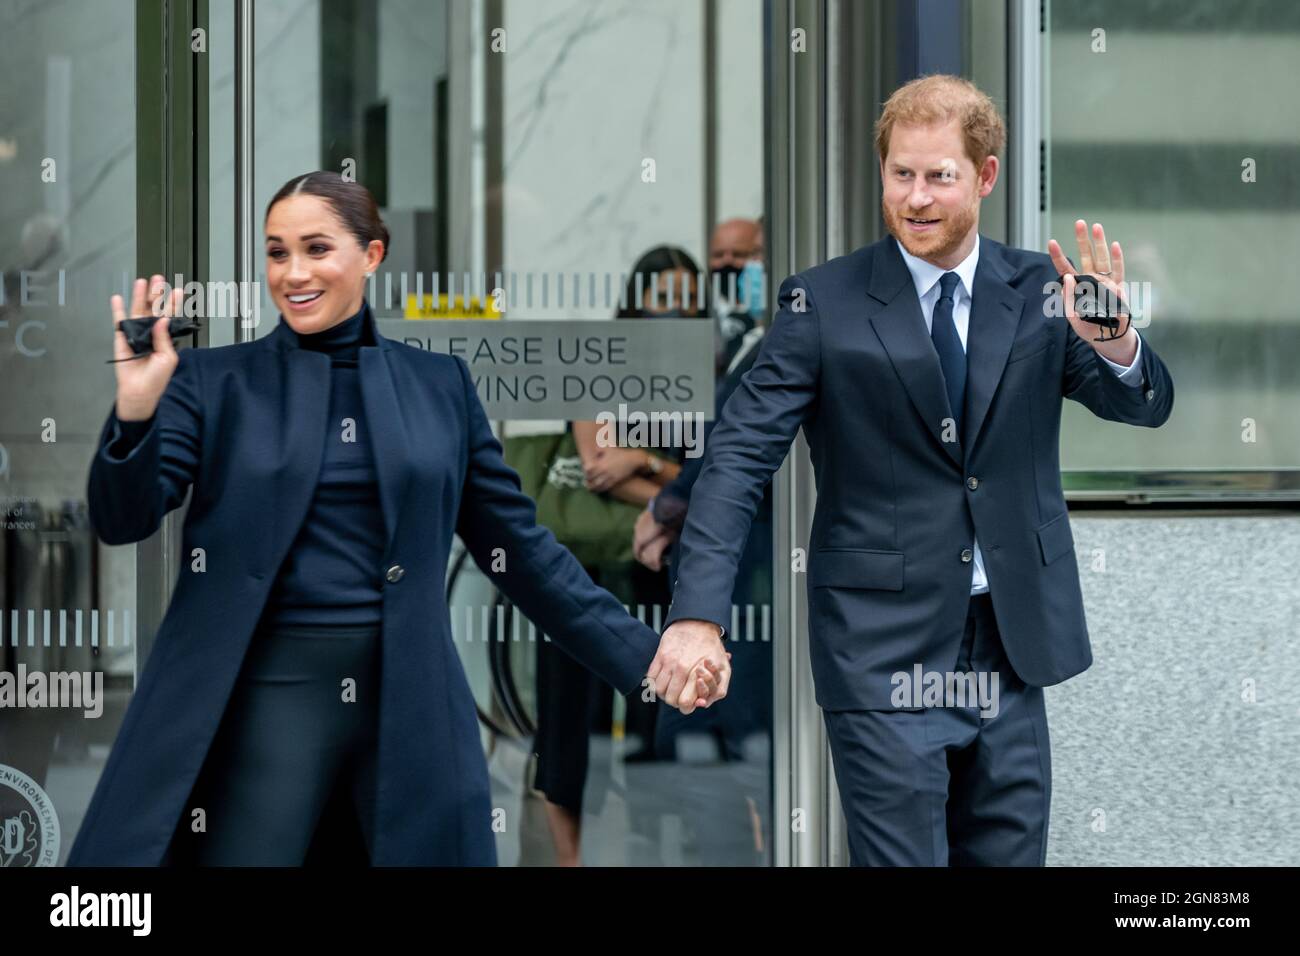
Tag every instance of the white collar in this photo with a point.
(926, 274)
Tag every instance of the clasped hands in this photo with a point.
(692, 669)
(687, 647)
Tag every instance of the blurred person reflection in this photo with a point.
(726, 810)
(571, 700)
(737, 281)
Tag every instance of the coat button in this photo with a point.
(966, 555)
(972, 483)
(395, 573)
(1151, 393)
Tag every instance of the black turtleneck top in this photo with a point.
(332, 574)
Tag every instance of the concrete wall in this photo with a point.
(1183, 738)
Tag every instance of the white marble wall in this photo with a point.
(738, 164)
(591, 90)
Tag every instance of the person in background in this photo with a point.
(736, 281)
(571, 700)
(731, 809)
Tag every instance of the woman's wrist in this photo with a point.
(127, 411)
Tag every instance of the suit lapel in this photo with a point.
(995, 316)
(901, 328)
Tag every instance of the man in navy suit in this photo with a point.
(927, 371)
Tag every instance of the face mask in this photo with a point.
(750, 289)
(139, 333)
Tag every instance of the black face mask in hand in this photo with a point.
(139, 333)
(1100, 306)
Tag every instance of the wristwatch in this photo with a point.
(652, 464)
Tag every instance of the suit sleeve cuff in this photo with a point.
(1130, 374)
(668, 510)
(126, 437)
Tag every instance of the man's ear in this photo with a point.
(988, 175)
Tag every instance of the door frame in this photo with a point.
(171, 96)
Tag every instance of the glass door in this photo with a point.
(567, 170)
(69, 628)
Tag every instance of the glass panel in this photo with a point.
(500, 163)
(1160, 128)
(594, 177)
(67, 604)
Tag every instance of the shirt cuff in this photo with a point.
(1130, 374)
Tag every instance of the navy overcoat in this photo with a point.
(245, 425)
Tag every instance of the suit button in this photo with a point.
(395, 573)
(972, 483)
(1151, 393)
(967, 555)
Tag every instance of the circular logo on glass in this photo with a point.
(29, 827)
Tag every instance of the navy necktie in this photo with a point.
(952, 357)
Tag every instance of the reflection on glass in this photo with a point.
(67, 604)
(1172, 145)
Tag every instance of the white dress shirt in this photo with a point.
(925, 276)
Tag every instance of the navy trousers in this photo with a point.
(943, 785)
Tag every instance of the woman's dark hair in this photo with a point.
(660, 259)
(351, 202)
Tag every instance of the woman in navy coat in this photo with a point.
(307, 647)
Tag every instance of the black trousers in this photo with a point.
(294, 740)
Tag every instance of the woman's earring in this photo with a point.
(369, 274)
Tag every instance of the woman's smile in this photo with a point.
(304, 301)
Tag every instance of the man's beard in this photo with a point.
(937, 243)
